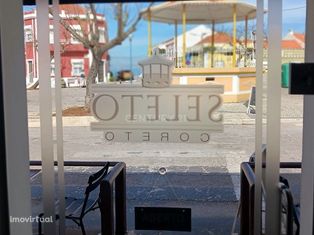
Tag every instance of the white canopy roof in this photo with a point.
(200, 12)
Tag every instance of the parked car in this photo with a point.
(125, 75)
(77, 81)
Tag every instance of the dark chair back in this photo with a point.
(94, 179)
(93, 183)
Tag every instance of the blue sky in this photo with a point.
(293, 19)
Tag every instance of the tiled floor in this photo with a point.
(211, 197)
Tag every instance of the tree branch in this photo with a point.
(120, 19)
(95, 29)
(124, 34)
(72, 31)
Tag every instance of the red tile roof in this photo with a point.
(28, 12)
(72, 9)
(219, 37)
(300, 36)
(68, 8)
(287, 44)
(290, 44)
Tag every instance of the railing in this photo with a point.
(76, 163)
(247, 199)
(113, 222)
(246, 204)
(112, 192)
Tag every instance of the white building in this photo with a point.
(193, 36)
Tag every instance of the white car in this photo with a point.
(75, 82)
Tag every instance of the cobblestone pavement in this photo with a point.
(204, 177)
(291, 105)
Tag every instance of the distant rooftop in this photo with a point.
(290, 44)
(73, 9)
(219, 37)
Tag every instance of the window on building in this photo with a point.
(102, 38)
(170, 52)
(52, 66)
(219, 64)
(51, 36)
(30, 73)
(28, 35)
(78, 30)
(77, 67)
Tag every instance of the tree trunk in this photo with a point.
(91, 77)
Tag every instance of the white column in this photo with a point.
(15, 113)
(59, 124)
(308, 134)
(235, 84)
(273, 208)
(259, 116)
(45, 107)
(183, 80)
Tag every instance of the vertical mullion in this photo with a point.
(259, 115)
(307, 180)
(273, 117)
(59, 124)
(45, 106)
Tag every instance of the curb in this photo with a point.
(84, 121)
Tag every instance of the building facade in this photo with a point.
(199, 49)
(75, 58)
(292, 48)
(193, 36)
(201, 52)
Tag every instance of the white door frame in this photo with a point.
(15, 116)
(307, 178)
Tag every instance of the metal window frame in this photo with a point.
(4, 209)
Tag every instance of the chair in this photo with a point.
(76, 209)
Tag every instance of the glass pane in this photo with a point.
(169, 132)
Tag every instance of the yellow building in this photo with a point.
(292, 47)
(237, 81)
(292, 52)
(200, 54)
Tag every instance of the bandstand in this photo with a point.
(237, 80)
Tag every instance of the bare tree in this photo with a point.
(90, 38)
(243, 52)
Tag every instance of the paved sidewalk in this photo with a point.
(234, 113)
